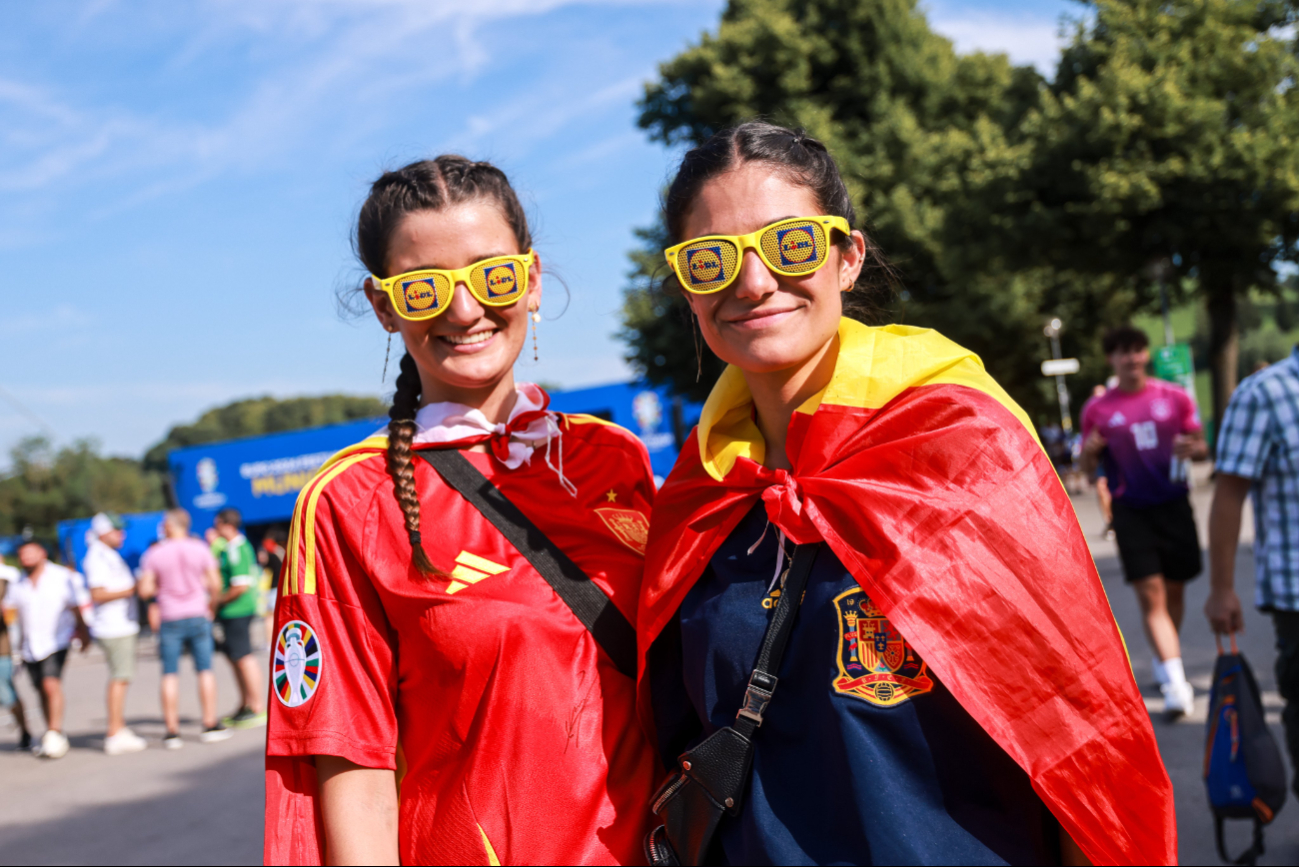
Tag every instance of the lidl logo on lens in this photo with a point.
(420, 294)
(500, 281)
(704, 264)
(797, 246)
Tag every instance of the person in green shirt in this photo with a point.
(234, 610)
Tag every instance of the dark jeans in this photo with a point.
(1287, 680)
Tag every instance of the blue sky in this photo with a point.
(178, 181)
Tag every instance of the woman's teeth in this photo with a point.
(467, 339)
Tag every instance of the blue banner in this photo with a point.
(651, 413)
(259, 476)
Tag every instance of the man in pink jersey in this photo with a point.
(1144, 432)
(180, 575)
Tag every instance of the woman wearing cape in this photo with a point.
(955, 689)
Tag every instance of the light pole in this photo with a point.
(1052, 330)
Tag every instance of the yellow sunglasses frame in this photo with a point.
(455, 278)
(750, 242)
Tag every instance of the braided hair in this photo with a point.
(427, 185)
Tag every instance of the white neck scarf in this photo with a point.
(512, 443)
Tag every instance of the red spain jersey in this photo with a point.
(514, 738)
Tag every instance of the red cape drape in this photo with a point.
(925, 480)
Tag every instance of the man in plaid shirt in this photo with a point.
(1258, 454)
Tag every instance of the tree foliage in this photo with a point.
(1168, 135)
(663, 343)
(921, 135)
(262, 415)
(1167, 148)
(44, 486)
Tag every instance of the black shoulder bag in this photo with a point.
(711, 778)
(586, 600)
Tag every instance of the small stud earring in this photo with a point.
(536, 317)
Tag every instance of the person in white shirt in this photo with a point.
(8, 695)
(114, 624)
(48, 598)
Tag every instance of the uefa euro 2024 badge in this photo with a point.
(876, 664)
(296, 671)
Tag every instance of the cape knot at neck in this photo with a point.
(503, 434)
(783, 498)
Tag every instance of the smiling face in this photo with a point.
(766, 322)
(468, 351)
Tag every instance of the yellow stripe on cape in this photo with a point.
(874, 366)
(302, 531)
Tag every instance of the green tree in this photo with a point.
(44, 486)
(662, 342)
(927, 140)
(262, 415)
(1167, 148)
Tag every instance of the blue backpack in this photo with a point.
(1243, 770)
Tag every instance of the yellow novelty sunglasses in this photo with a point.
(497, 282)
(795, 248)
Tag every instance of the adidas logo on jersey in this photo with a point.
(1117, 419)
(470, 569)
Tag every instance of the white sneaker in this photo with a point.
(54, 745)
(218, 732)
(125, 741)
(1179, 698)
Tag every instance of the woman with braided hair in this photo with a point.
(454, 660)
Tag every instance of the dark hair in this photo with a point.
(231, 517)
(1125, 338)
(801, 160)
(427, 185)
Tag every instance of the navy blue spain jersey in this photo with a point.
(863, 757)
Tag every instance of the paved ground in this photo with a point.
(1182, 743)
(198, 805)
(203, 804)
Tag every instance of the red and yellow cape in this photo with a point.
(929, 484)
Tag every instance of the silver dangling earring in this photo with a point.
(387, 352)
(699, 351)
(536, 317)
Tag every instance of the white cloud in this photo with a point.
(63, 317)
(1027, 40)
(529, 124)
(337, 61)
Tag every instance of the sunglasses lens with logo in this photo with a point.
(795, 247)
(422, 296)
(707, 264)
(499, 281)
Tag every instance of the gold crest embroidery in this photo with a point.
(630, 526)
(876, 664)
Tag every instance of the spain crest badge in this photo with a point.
(876, 664)
(630, 526)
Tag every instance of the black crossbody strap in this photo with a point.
(586, 600)
(762, 683)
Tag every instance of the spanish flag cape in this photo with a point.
(929, 484)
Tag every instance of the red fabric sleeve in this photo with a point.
(351, 712)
